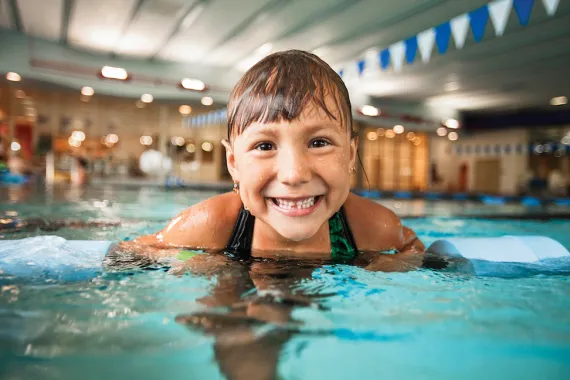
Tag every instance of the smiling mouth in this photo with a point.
(296, 204)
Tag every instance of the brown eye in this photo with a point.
(264, 146)
(319, 143)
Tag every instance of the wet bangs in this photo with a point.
(281, 86)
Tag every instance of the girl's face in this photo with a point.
(294, 175)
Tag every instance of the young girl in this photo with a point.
(291, 149)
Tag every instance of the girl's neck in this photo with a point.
(269, 243)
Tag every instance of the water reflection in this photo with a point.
(250, 311)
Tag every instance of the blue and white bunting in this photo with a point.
(371, 61)
(384, 59)
(442, 36)
(361, 65)
(411, 49)
(426, 40)
(499, 11)
(523, 9)
(551, 6)
(479, 19)
(397, 53)
(459, 29)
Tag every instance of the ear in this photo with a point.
(353, 151)
(230, 160)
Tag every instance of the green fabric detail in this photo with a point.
(186, 254)
(341, 249)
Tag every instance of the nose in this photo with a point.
(293, 167)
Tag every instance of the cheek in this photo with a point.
(254, 172)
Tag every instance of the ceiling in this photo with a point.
(216, 40)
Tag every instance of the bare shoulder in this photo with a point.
(207, 224)
(374, 226)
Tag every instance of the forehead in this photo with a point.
(315, 112)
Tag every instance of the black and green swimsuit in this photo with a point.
(343, 245)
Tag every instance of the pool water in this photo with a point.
(287, 319)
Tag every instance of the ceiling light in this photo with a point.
(370, 111)
(111, 139)
(207, 146)
(145, 140)
(178, 141)
(190, 148)
(78, 135)
(566, 140)
(411, 135)
(380, 132)
(118, 73)
(15, 146)
(147, 98)
(265, 49)
(87, 91)
(73, 142)
(452, 123)
(453, 136)
(185, 109)
(399, 129)
(559, 101)
(139, 104)
(416, 141)
(192, 16)
(207, 101)
(193, 84)
(372, 136)
(13, 77)
(441, 131)
(390, 134)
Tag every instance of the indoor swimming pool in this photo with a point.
(275, 319)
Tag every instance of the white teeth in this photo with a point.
(289, 205)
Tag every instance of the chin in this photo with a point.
(297, 234)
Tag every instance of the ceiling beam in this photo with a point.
(271, 7)
(65, 19)
(176, 27)
(134, 12)
(311, 21)
(16, 16)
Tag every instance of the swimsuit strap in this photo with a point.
(242, 235)
(343, 245)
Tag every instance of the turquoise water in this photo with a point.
(290, 320)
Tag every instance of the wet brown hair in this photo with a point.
(280, 86)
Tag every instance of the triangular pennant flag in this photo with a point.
(397, 52)
(411, 49)
(499, 11)
(385, 58)
(479, 19)
(426, 40)
(360, 66)
(371, 62)
(459, 28)
(523, 9)
(551, 6)
(442, 36)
